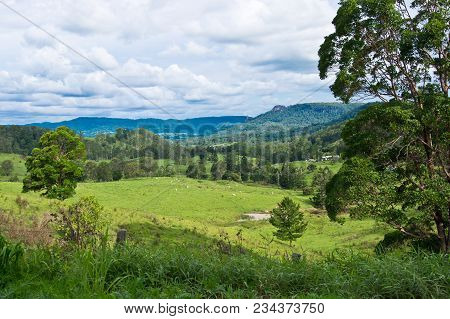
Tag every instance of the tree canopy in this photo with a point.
(398, 155)
(56, 165)
(289, 220)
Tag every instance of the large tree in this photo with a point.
(56, 165)
(398, 150)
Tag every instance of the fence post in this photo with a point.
(121, 236)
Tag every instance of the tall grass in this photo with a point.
(149, 272)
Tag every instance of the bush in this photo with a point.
(82, 223)
(232, 176)
(396, 240)
(14, 179)
(6, 167)
(307, 191)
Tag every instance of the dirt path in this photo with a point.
(256, 216)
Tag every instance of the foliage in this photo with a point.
(145, 271)
(19, 139)
(132, 144)
(192, 170)
(319, 183)
(291, 177)
(10, 255)
(398, 167)
(82, 224)
(6, 167)
(103, 172)
(281, 123)
(289, 220)
(217, 170)
(232, 176)
(55, 166)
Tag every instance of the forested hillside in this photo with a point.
(174, 129)
(294, 118)
(19, 139)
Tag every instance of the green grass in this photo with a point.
(202, 272)
(19, 165)
(177, 231)
(209, 208)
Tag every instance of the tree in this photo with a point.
(56, 165)
(192, 170)
(320, 180)
(202, 174)
(103, 172)
(217, 170)
(117, 169)
(397, 151)
(90, 171)
(245, 169)
(148, 165)
(230, 161)
(6, 167)
(289, 221)
(132, 170)
(232, 176)
(291, 177)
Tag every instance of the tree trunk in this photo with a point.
(441, 231)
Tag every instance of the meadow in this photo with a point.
(18, 162)
(165, 208)
(190, 238)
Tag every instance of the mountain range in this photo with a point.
(172, 129)
(294, 117)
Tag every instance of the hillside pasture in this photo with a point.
(163, 209)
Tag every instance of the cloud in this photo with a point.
(102, 58)
(198, 58)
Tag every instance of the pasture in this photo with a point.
(173, 210)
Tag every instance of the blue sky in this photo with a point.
(190, 58)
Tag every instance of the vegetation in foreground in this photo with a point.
(190, 272)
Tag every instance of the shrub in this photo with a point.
(82, 223)
(13, 179)
(6, 167)
(232, 176)
(36, 232)
(22, 203)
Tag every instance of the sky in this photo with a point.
(161, 59)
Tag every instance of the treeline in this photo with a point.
(19, 139)
(243, 169)
(303, 147)
(132, 144)
(127, 144)
(117, 169)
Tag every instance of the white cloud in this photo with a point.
(196, 58)
(102, 58)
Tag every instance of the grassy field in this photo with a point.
(188, 239)
(177, 209)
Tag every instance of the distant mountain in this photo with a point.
(299, 116)
(294, 118)
(172, 129)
